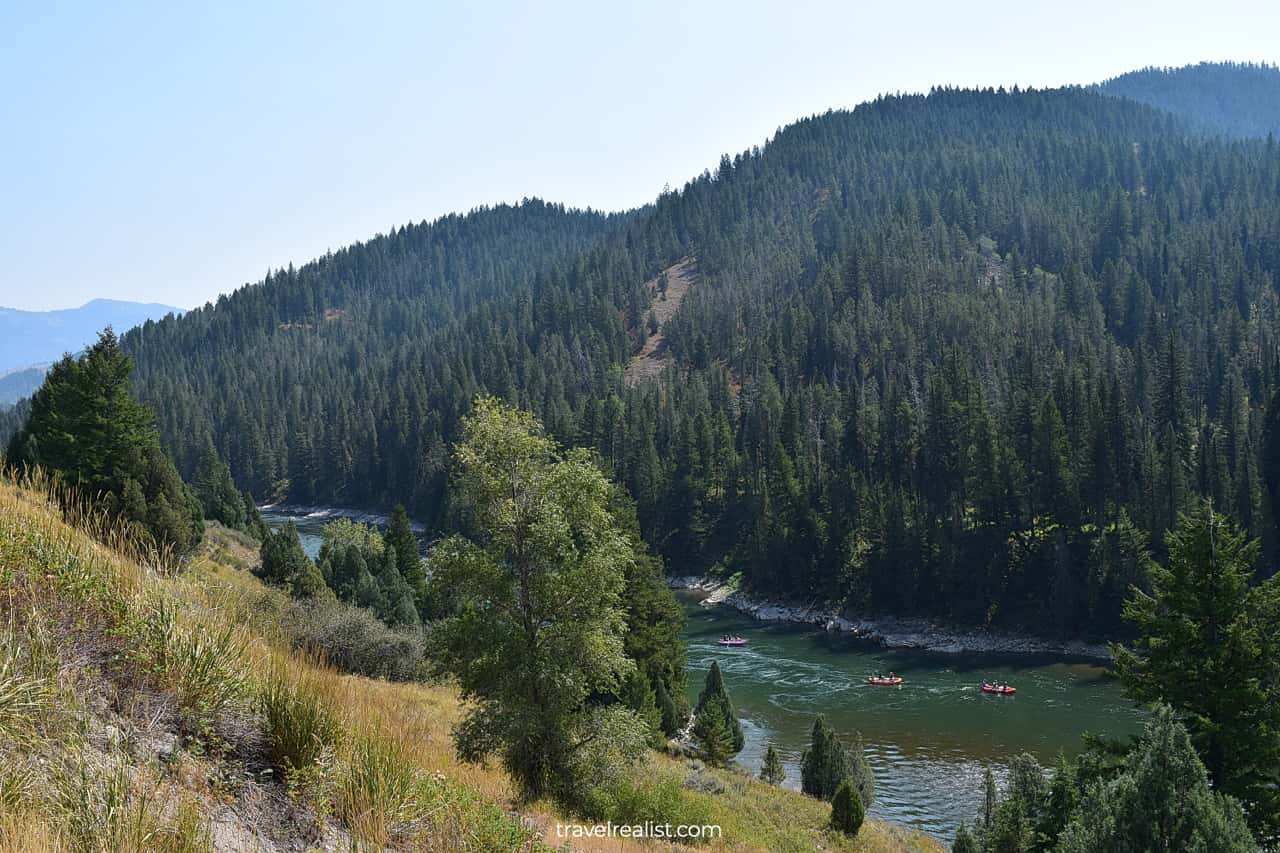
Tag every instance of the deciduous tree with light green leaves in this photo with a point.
(535, 625)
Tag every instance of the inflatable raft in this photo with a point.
(884, 680)
(1006, 690)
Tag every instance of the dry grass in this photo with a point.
(368, 763)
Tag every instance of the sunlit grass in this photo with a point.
(376, 758)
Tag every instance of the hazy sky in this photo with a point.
(169, 152)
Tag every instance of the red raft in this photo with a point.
(1006, 690)
(884, 680)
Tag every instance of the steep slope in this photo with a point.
(1237, 99)
(33, 337)
(338, 381)
(143, 711)
(964, 354)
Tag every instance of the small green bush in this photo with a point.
(846, 809)
(639, 799)
(355, 640)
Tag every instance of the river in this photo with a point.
(308, 528)
(928, 740)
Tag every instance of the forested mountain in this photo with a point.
(28, 338)
(20, 383)
(1238, 99)
(964, 354)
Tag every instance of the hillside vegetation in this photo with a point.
(965, 354)
(143, 708)
(1231, 98)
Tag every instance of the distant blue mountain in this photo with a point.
(1232, 98)
(29, 338)
(20, 383)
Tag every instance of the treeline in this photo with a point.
(1233, 98)
(963, 354)
(1203, 775)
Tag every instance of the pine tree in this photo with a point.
(846, 809)
(400, 539)
(990, 800)
(1207, 645)
(641, 698)
(713, 732)
(285, 564)
(1161, 801)
(827, 763)
(771, 770)
(716, 727)
(398, 607)
(254, 525)
(672, 719)
(217, 491)
(86, 428)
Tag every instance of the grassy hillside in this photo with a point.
(145, 709)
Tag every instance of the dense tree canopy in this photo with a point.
(966, 354)
(1235, 98)
(1158, 798)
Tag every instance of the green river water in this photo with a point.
(928, 739)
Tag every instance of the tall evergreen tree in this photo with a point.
(404, 544)
(1209, 645)
(827, 763)
(85, 427)
(1162, 801)
(716, 727)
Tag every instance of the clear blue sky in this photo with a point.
(169, 152)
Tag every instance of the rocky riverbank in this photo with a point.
(889, 631)
(330, 513)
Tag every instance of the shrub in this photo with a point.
(355, 640)
(639, 799)
(846, 809)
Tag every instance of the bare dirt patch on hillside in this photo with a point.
(653, 357)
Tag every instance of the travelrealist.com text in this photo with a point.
(648, 829)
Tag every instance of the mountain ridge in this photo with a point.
(30, 338)
(909, 318)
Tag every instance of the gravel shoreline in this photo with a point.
(890, 631)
